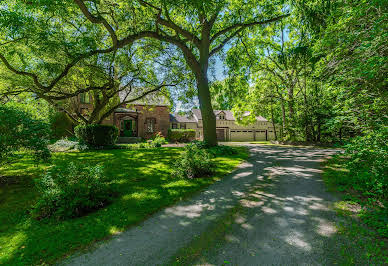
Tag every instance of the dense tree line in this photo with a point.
(319, 74)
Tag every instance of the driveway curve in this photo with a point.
(283, 217)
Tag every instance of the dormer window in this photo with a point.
(221, 116)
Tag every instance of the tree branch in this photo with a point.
(240, 27)
(97, 20)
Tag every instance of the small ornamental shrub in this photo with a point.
(193, 163)
(71, 191)
(181, 135)
(97, 135)
(158, 140)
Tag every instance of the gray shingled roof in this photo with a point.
(177, 118)
(228, 115)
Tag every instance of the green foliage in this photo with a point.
(193, 163)
(140, 177)
(158, 140)
(96, 135)
(368, 164)
(61, 125)
(181, 135)
(71, 190)
(18, 130)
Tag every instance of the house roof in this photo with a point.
(228, 115)
(177, 118)
(153, 99)
(124, 110)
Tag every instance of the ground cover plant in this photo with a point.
(364, 210)
(142, 179)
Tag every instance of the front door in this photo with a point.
(128, 128)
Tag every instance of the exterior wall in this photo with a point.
(259, 131)
(161, 115)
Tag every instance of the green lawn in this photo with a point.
(144, 184)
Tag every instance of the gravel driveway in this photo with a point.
(283, 217)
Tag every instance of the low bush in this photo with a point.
(158, 140)
(368, 164)
(71, 191)
(63, 145)
(194, 162)
(97, 135)
(219, 150)
(181, 135)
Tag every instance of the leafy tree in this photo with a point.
(199, 29)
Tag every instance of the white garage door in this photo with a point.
(260, 135)
(241, 135)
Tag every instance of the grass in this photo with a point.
(142, 178)
(365, 225)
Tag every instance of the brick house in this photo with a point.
(152, 114)
(139, 119)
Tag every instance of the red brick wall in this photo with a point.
(161, 115)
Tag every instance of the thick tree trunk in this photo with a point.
(283, 118)
(273, 123)
(208, 117)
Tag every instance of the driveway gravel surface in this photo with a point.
(283, 217)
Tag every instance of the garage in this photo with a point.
(241, 135)
(261, 135)
(220, 134)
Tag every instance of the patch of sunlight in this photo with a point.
(268, 210)
(8, 245)
(296, 239)
(114, 230)
(147, 194)
(324, 227)
(179, 183)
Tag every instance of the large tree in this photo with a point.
(199, 29)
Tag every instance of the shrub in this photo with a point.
(368, 163)
(18, 130)
(222, 150)
(63, 145)
(158, 140)
(181, 135)
(71, 191)
(216, 150)
(97, 135)
(193, 163)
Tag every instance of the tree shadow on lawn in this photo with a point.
(142, 179)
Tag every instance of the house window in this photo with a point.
(221, 117)
(150, 123)
(174, 126)
(183, 125)
(84, 98)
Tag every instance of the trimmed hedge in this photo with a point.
(181, 135)
(97, 135)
